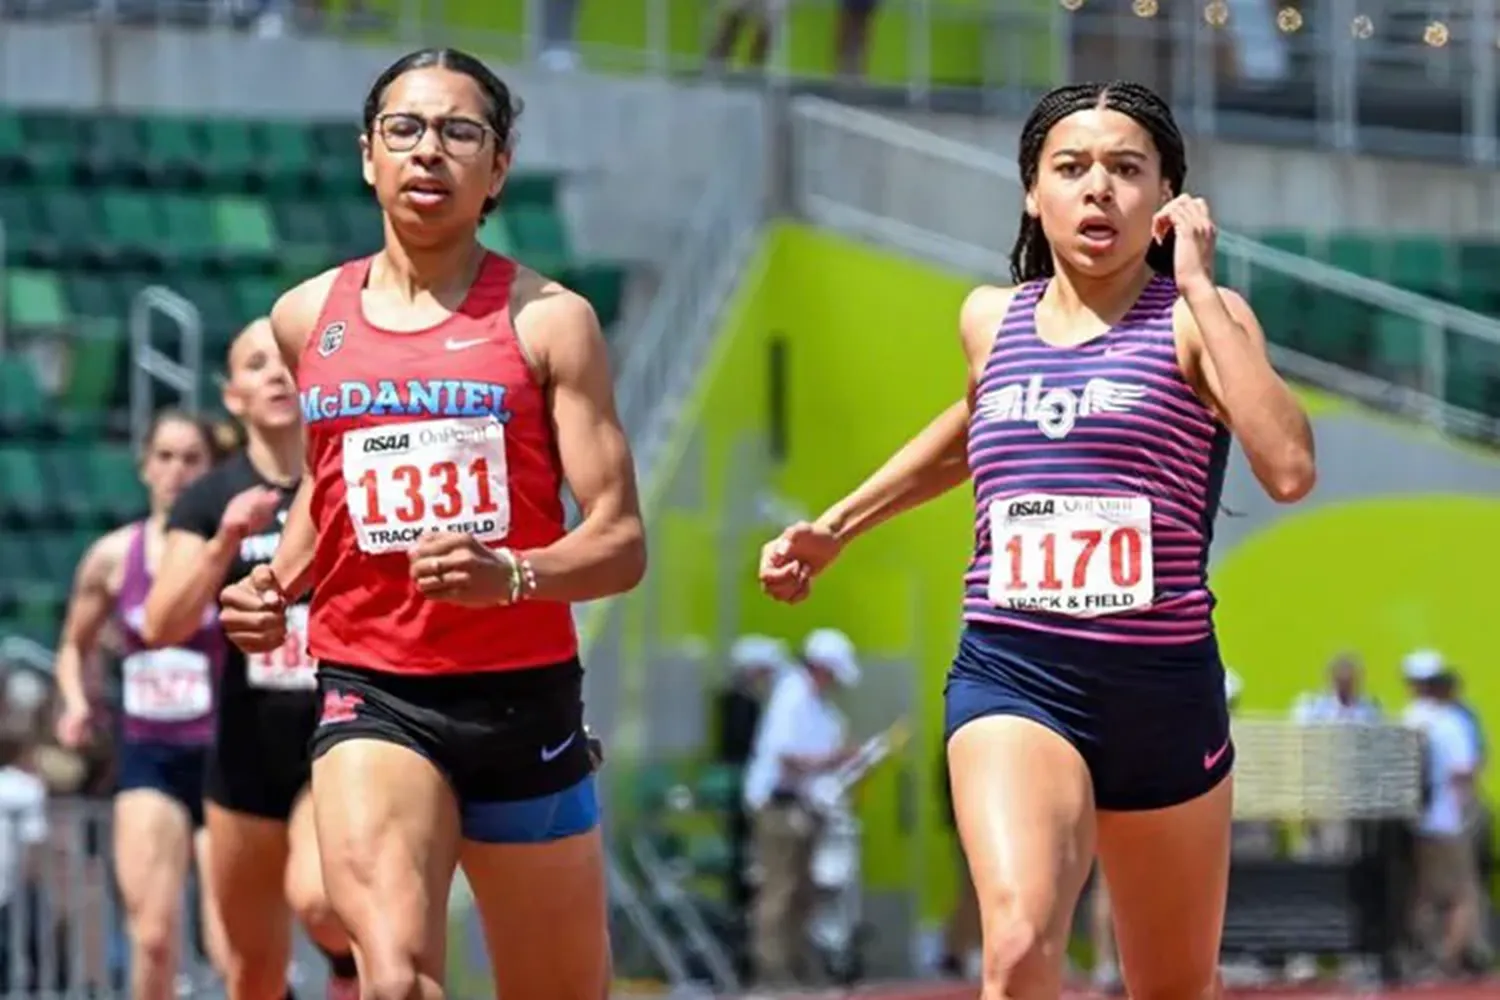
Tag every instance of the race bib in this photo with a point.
(167, 685)
(405, 480)
(1071, 555)
(289, 668)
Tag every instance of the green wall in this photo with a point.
(873, 355)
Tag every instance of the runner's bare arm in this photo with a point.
(292, 321)
(606, 553)
(936, 460)
(1226, 345)
(188, 578)
(89, 608)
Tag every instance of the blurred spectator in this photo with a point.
(1445, 910)
(801, 736)
(855, 17)
(754, 663)
(762, 16)
(559, 22)
(1343, 701)
(23, 835)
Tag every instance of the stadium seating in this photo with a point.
(226, 212)
(1353, 334)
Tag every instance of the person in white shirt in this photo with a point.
(1447, 877)
(1343, 701)
(801, 735)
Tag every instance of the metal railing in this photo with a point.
(1408, 76)
(151, 365)
(908, 189)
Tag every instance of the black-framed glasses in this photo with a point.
(461, 138)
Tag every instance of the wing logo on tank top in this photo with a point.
(1057, 410)
(331, 339)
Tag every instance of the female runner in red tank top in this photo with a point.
(447, 395)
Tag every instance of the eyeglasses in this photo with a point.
(461, 138)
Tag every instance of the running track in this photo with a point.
(1486, 991)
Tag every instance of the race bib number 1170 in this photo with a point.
(1082, 556)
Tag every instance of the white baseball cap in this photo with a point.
(757, 652)
(833, 651)
(1423, 665)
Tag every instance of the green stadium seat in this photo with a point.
(1424, 265)
(1337, 329)
(602, 284)
(53, 145)
(115, 152)
(216, 311)
(1474, 375)
(23, 405)
(116, 481)
(254, 297)
(24, 500)
(305, 235)
(66, 472)
(290, 166)
(14, 166)
(233, 162)
(243, 229)
(539, 237)
(95, 368)
(336, 146)
(1398, 346)
(494, 236)
(72, 221)
(25, 244)
(133, 227)
(530, 190)
(175, 155)
(1355, 253)
(709, 855)
(1290, 242)
(189, 232)
(1276, 300)
(359, 227)
(96, 295)
(35, 300)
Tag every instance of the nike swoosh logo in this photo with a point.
(463, 345)
(551, 753)
(1209, 759)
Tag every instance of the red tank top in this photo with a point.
(440, 429)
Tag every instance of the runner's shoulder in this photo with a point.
(296, 312)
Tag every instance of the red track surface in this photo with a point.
(1478, 991)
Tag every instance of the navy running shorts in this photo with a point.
(511, 744)
(1151, 722)
(175, 771)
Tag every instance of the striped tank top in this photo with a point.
(167, 694)
(1097, 474)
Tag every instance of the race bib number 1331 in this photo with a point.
(1082, 556)
(405, 480)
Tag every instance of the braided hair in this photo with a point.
(1031, 257)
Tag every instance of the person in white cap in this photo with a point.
(801, 736)
(1446, 907)
(755, 661)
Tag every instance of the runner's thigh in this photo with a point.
(387, 826)
(1168, 876)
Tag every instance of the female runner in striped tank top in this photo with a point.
(167, 713)
(1103, 389)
